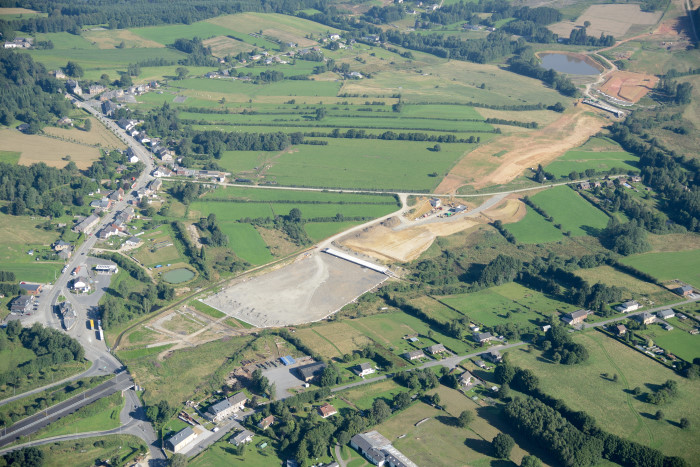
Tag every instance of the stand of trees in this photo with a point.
(578, 36)
(28, 93)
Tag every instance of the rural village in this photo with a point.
(345, 234)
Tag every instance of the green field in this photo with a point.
(678, 341)
(367, 164)
(389, 328)
(102, 414)
(201, 307)
(83, 452)
(569, 209)
(612, 404)
(579, 161)
(665, 266)
(249, 90)
(9, 157)
(168, 34)
(508, 303)
(246, 242)
(318, 231)
(533, 228)
(221, 453)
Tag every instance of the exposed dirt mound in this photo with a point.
(629, 86)
(481, 168)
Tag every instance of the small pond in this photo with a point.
(569, 64)
(177, 276)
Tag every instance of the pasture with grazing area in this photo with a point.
(569, 209)
(670, 265)
(533, 228)
(508, 303)
(633, 286)
(600, 161)
(612, 404)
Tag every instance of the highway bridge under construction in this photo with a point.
(360, 262)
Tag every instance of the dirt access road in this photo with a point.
(482, 167)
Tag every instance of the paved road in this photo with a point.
(133, 422)
(642, 311)
(32, 424)
(449, 362)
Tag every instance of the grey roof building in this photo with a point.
(310, 371)
(379, 450)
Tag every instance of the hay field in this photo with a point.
(341, 337)
(610, 276)
(98, 135)
(614, 20)
(111, 38)
(222, 46)
(37, 148)
(629, 86)
(282, 27)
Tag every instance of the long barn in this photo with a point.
(352, 259)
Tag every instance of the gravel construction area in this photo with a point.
(307, 290)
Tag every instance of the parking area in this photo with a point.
(284, 377)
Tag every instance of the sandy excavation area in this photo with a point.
(307, 290)
(482, 168)
(392, 242)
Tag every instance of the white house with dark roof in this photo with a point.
(227, 407)
(364, 369)
(576, 317)
(483, 337)
(245, 436)
(379, 450)
(630, 305)
(665, 314)
(436, 349)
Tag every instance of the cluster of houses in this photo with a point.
(609, 183)
(73, 87)
(64, 250)
(119, 226)
(433, 350)
(20, 43)
(215, 413)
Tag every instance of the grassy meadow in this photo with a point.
(533, 228)
(573, 212)
(612, 404)
(666, 266)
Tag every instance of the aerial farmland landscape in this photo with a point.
(350, 233)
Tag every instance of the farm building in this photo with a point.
(181, 439)
(435, 203)
(326, 410)
(287, 360)
(31, 288)
(684, 290)
(106, 268)
(132, 241)
(630, 305)
(483, 337)
(243, 437)
(621, 329)
(22, 304)
(435, 349)
(310, 371)
(363, 369)
(414, 355)
(379, 450)
(665, 314)
(576, 317)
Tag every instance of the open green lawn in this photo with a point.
(508, 303)
(612, 404)
(579, 161)
(222, 453)
(21, 234)
(14, 355)
(246, 242)
(569, 209)
(364, 396)
(665, 266)
(9, 157)
(313, 197)
(533, 228)
(83, 452)
(240, 161)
